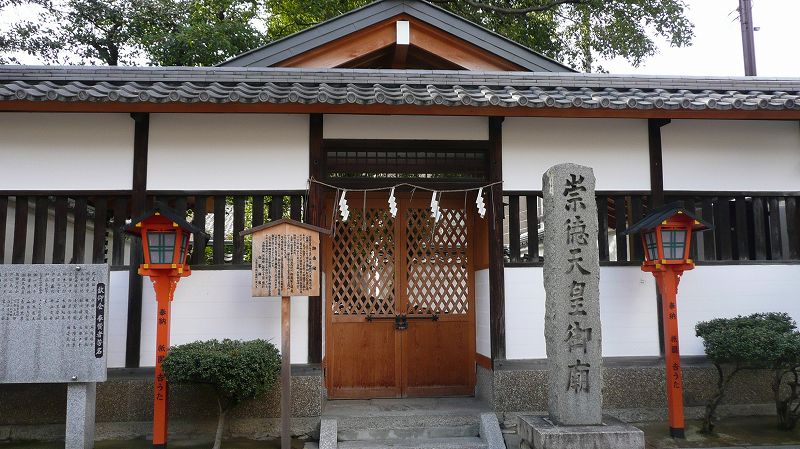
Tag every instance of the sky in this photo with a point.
(716, 48)
(717, 45)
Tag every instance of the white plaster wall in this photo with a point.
(117, 326)
(709, 292)
(615, 148)
(217, 304)
(339, 126)
(227, 152)
(733, 155)
(483, 343)
(627, 310)
(57, 151)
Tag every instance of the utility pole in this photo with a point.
(748, 46)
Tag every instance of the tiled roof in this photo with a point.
(411, 87)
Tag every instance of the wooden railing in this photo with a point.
(750, 227)
(84, 227)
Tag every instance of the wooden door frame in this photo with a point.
(400, 283)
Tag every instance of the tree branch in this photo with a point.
(516, 11)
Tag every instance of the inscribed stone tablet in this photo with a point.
(286, 261)
(53, 323)
(572, 307)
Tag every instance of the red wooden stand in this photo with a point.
(164, 287)
(667, 281)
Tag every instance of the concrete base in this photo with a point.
(80, 415)
(539, 433)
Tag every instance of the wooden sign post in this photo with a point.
(285, 264)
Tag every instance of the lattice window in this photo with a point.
(363, 264)
(436, 258)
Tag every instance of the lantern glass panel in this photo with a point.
(161, 245)
(674, 242)
(652, 245)
(184, 247)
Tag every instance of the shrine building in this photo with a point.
(403, 94)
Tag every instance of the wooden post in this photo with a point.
(668, 285)
(497, 320)
(165, 288)
(286, 373)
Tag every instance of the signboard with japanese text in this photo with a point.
(53, 323)
(285, 259)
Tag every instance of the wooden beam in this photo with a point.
(497, 319)
(656, 160)
(400, 56)
(315, 216)
(141, 137)
(397, 109)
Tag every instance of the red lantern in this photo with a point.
(667, 238)
(165, 244)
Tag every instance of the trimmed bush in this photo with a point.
(236, 370)
(760, 341)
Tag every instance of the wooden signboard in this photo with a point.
(285, 264)
(286, 259)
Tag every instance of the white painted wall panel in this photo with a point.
(52, 151)
(117, 318)
(615, 148)
(228, 152)
(733, 155)
(709, 292)
(338, 126)
(483, 334)
(217, 304)
(627, 310)
(524, 288)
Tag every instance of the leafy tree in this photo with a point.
(206, 32)
(759, 341)
(236, 370)
(198, 32)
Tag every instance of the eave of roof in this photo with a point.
(370, 14)
(408, 88)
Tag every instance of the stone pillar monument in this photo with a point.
(572, 322)
(572, 308)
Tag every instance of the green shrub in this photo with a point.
(236, 370)
(759, 341)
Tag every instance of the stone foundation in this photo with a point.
(634, 388)
(125, 408)
(634, 392)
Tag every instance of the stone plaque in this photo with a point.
(53, 323)
(572, 307)
(285, 260)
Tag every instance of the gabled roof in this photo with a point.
(664, 212)
(166, 212)
(283, 221)
(273, 54)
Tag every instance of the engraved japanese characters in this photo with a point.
(285, 259)
(571, 278)
(53, 323)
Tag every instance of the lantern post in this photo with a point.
(667, 238)
(165, 245)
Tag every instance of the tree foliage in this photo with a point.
(759, 341)
(236, 370)
(206, 32)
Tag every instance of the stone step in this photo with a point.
(415, 432)
(425, 443)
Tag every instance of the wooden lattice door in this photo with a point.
(400, 296)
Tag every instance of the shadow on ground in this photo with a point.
(734, 431)
(177, 444)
